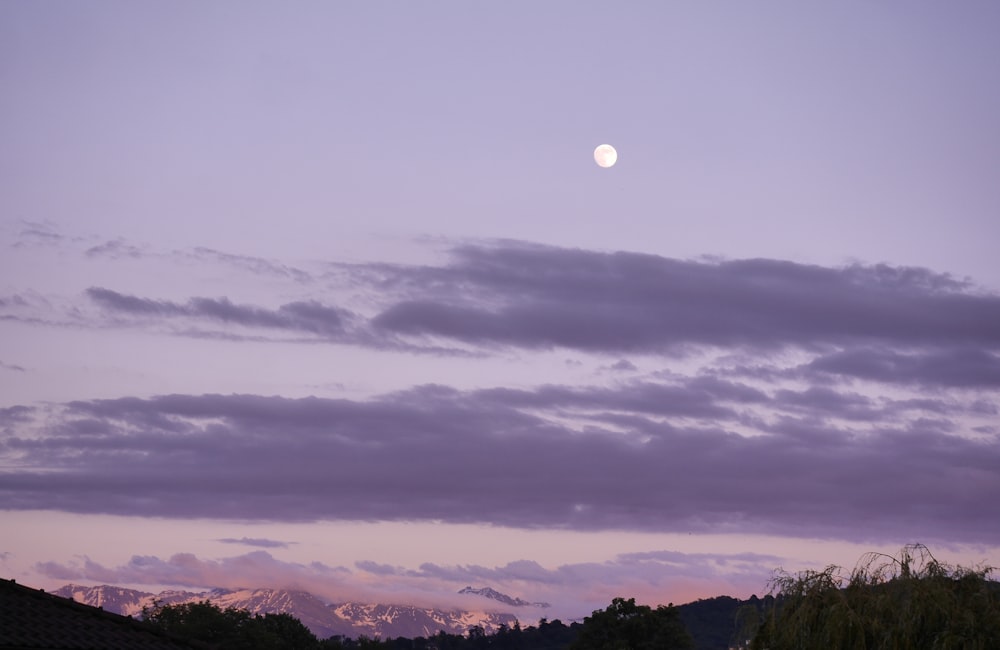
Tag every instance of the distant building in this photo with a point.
(31, 618)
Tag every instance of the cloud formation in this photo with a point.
(255, 265)
(572, 588)
(697, 455)
(850, 403)
(533, 296)
(257, 569)
(256, 541)
(116, 249)
(309, 317)
(876, 323)
(958, 366)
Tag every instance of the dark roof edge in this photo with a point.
(99, 612)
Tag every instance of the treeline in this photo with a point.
(905, 602)
(554, 635)
(236, 629)
(637, 626)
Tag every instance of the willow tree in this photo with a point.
(912, 601)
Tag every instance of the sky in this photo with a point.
(332, 295)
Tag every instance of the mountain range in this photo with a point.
(503, 598)
(324, 619)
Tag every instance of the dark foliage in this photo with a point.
(723, 622)
(898, 603)
(554, 635)
(627, 626)
(713, 623)
(230, 629)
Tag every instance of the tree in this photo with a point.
(549, 635)
(230, 629)
(200, 621)
(277, 632)
(899, 603)
(627, 626)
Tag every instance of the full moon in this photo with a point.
(605, 155)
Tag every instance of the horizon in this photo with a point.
(495, 605)
(336, 295)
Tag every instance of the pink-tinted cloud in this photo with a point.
(570, 589)
(252, 570)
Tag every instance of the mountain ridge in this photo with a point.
(348, 619)
(493, 594)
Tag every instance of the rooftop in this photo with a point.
(31, 618)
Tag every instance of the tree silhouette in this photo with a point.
(912, 601)
(230, 629)
(627, 626)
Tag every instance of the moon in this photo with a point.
(605, 155)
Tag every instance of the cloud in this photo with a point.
(114, 301)
(35, 234)
(11, 366)
(590, 585)
(573, 589)
(309, 317)
(819, 400)
(516, 295)
(16, 415)
(381, 569)
(20, 306)
(121, 248)
(540, 297)
(698, 455)
(256, 265)
(13, 301)
(257, 569)
(302, 321)
(814, 403)
(874, 323)
(116, 249)
(256, 541)
(958, 366)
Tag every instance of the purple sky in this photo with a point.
(333, 294)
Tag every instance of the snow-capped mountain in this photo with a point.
(313, 612)
(388, 621)
(325, 620)
(128, 602)
(493, 594)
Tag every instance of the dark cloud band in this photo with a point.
(879, 323)
(631, 458)
(546, 297)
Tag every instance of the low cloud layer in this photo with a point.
(571, 589)
(695, 455)
(257, 569)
